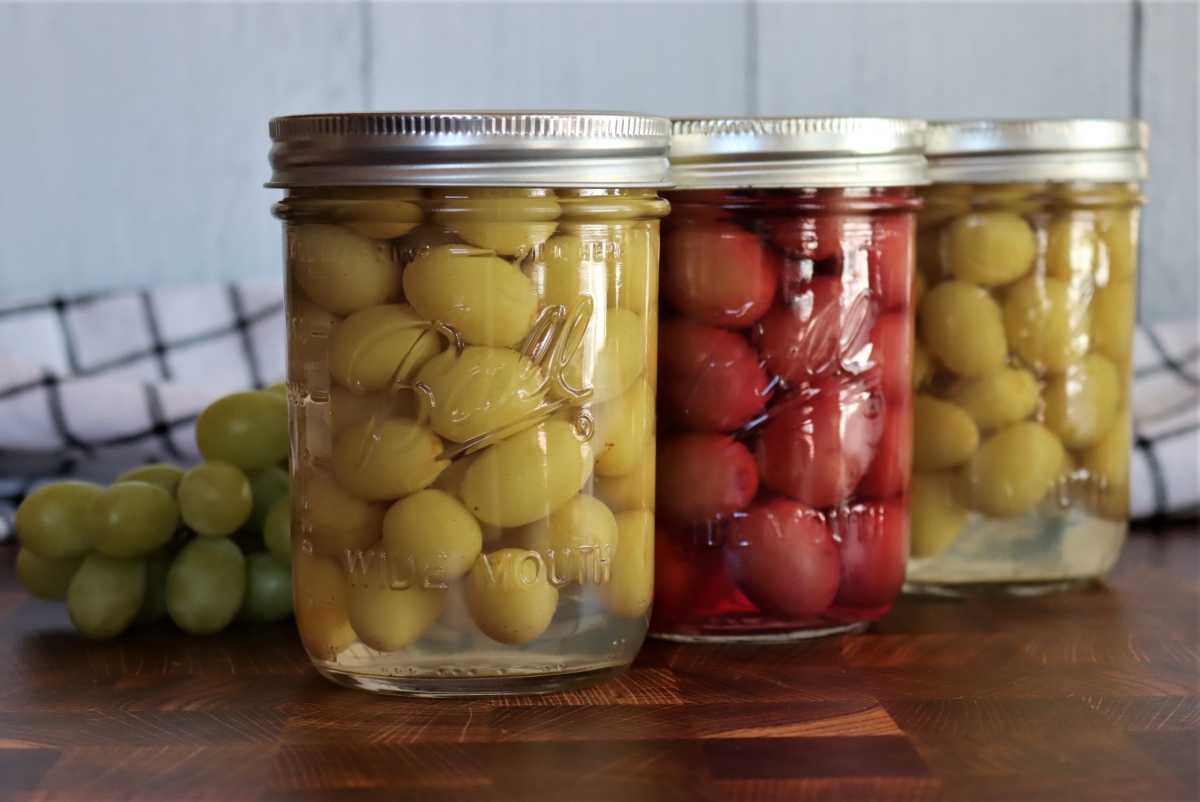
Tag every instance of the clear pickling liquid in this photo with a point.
(471, 374)
(1022, 414)
(1026, 555)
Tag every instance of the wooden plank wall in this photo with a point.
(1167, 96)
(133, 136)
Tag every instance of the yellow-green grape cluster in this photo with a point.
(1025, 298)
(475, 411)
(161, 542)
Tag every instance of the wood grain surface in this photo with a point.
(1083, 696)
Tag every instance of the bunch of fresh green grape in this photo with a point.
(206, 546)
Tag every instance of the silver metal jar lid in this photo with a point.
(499, 149)
(766, 152)
(1000, 151)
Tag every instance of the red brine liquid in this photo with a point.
(785, 375)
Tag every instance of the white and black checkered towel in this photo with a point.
(94, 384)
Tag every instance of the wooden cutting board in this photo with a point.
(1083, 696)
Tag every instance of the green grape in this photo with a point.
(277, 531)
(279, 389)
(105, 595)
(628, 593)
(486, 298)
(267, 487)
(631, 491)
(268, 591)
(322, 617)
(989, 248)
(215, 499)
(249, 430)
(52, 520)
(165, 476)
(1013, 470)
(632, 268)
(510, 597)
(619, 358)
(528, 476)
(46, 579)
(570, 267)
(368, 348)
(130, 519)
(341, 270)
(393, 459)
(623, 426)
(1082, 402)
(581, 526)
(482, 390)
(944, 435)
(997, 399)
(432, 525)
(1048, 322)
(936, 515)
(154, 601)
(508, 221)
(962, 326)
(1114, 310)
(389, 619)
(205, 585)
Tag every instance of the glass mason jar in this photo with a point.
(1027, 251)
(784, 365)
(472, 303)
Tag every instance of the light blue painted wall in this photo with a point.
(133, 136)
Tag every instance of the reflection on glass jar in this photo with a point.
(1021, 417)
(785, 355)
(466, 366)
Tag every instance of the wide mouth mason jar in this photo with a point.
(1027, 254)
(472, 302)
(785, 370)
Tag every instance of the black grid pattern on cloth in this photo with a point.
(160, 348)
(48, 333)
(1162, 368)
(1166, 389)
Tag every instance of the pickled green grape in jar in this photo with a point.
(472, 339)
(1027, 260)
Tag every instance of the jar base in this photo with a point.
(1049, 550)
(995, 589)
(761, 637)
(459, 686)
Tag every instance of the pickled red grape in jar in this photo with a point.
(783, 471)
(822, 325)
(784, 558)
(711, 379)
(719, 275)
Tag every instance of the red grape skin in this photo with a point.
(718, 274)
(891, 257)
(824, 326)
(709, 378)
(702, 477)
(890, 469)
(874, 550)
(816, 446)
(891, 354)
(684, 573)
(784, 559)
(834, 432)
(820, 237)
